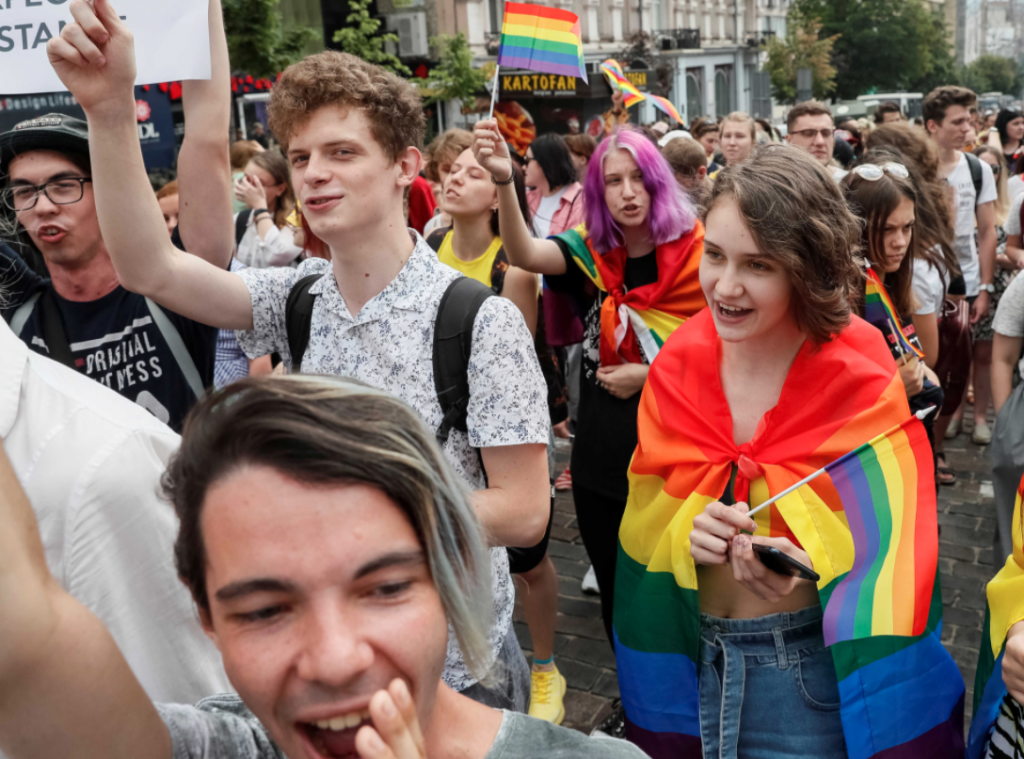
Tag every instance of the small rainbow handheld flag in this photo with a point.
(543, 39)
(879, 310)
(618, 80)
(665, 106)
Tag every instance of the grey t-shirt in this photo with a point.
(221, 727)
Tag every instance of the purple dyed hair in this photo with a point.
(670, 216)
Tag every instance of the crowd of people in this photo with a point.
(278, 437)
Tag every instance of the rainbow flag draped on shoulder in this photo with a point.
(1005, 608)
(880, 311)
(642, 318)
(868, 525)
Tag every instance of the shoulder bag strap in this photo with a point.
(178, 349)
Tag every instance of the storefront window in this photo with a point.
(723, 90)
(694, 100)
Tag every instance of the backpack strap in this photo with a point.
(435, 238)
(974, 164)
(180, 352)
(298, 318)
(241, 222)
(453, 343)
(22, 314)
(53, 330)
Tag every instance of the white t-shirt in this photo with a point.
(929, 290)
(546, 212)
(1012, 225)
(1009, 318)
(1015, 185)
(965, 201)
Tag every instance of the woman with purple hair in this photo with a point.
(631, 269)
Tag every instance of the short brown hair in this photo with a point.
(242, 152)
(582, 145)
(445, 148)
(889, 106)
(168, 190)
(702, 126)
(739, 117)
(799, 218)
(938, 101)
(392, 105)
(806, 108)
(685, 156)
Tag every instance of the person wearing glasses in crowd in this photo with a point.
(80, 315)
(810, 126)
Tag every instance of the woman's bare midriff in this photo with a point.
(722, 596)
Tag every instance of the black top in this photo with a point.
(114, 340)
(606, 428)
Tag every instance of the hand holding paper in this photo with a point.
(95, 56)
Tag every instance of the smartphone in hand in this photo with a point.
(783, 564)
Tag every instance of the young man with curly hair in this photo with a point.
(351, 132)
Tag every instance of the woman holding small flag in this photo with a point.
(813, 629)
(631, 269)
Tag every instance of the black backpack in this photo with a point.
(453, 342)
(974, 164)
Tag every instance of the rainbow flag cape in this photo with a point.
(618, 80)
(868, 525)
(1005, 608)
(665, 106)
(879, 310)
(635, 324)
(540, 38)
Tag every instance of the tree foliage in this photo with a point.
(643, 46)
(885, 44)
(453, 78)
(801, 48)
(257, 41)
(993, 73)
(361, 37)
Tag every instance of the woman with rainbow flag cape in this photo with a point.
(883, 194)
(997, 729)
(775, 381)
(631, 269)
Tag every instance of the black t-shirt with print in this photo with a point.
(606, 426)
(115, 341)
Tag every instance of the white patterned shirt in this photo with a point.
(390, 345)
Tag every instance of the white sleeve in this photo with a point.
(278, 248)
(988, 185)
(923, 284)
(1012, 225)
(1009, 318)
(119, 563)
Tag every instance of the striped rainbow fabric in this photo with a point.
(868, 525)
(618, 80)
(1005, 608)
(666, 107)
(879, 310)
(540, 38)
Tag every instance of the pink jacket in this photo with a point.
(570, 208)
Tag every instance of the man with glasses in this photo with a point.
(81, 316)
(810, 126)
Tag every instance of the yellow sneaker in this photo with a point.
(547, 690)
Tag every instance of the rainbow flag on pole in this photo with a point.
(868, 524)
(618, 80)
(1005, 608)
(540, 38)
(879, 310)
(666, 107)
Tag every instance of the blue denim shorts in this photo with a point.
(768, 688)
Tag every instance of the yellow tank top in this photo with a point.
(479, 268)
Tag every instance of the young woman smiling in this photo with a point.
(715, 651)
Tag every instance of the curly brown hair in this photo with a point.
(939, 100)
(392, 105)
(799, 218)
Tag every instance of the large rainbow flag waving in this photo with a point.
(868, 525)
(540, 38)
(1005, 608)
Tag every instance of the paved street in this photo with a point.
(965, 555)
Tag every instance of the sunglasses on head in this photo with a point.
(873, 172)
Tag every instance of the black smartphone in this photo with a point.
(783, 564)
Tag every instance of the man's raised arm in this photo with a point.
(94, 58)
(65, 688)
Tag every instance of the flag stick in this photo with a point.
(494, 92)
(903, 354)
(922, 415)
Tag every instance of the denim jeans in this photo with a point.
(768, 688)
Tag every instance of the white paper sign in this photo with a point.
(172, 41)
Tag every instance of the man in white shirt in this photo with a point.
(810, 126)
(350, 132)
(91, 463)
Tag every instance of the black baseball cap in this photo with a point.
(54, 131)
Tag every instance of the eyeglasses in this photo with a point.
(873, 172)
(60, 192)
(810, 134)
(527, 159)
